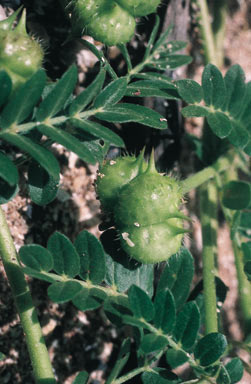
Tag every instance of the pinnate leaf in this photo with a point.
(8, 171)
(65, 257)
(235, 370)
(124, 113)
(56, 99)
(219, 123)
(68, 141)
(152, 343)
(98, 130)
(175, 358)
(236, 195)
(92, 258)
(236, 89)
(213, 86)
(223, 376)
(187, 325)
(43, 187)
(61, 292)
(89, 299)
(81, 378)
(36, 257)
(85, 97)
(44, 157)
(210, 348)
(23, 101)
(6, 85)
(190, 91)
(123, 275)
(195, 111)
(159, 376)
(178, 275)
(140, 303)
(165, 311)
(112, 93)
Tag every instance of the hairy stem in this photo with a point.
(208, 204)
(33, 334)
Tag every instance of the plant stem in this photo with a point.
(219, 24)
(194, 181)
(208, 199)
(207, 33)
(209, 193)
(33, 334)
(130, 375)
(244, 287)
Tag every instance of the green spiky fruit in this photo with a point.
(146, 209)
(20, 55)
(139, 8)
(113, 175)
(109, 21)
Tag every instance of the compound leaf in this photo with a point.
(165, 311)
(178, 275)
(235, 370)
(59, 94)
(140, 303)
(98, 130)
(23, 101)
(236, 195)
(81, 378)
(65, 257)
(210, 348)
(36, 257)
(6, 85)
(85, 97)
(61, 292)
(44, 157)
(43, 187)
(124, 113)
(68, 141)
(92, 257)
(152, 343)
(187, 325)
(112, 93)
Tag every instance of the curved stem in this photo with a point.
(194, 181)
(33, 334)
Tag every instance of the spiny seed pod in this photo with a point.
(20, 55)
(145, 210)
(139, 8)
(109, 21)
(113, 175)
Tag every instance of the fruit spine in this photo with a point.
(144, 205)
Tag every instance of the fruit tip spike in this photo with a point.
(151, 164)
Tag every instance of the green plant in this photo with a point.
(170, 325)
